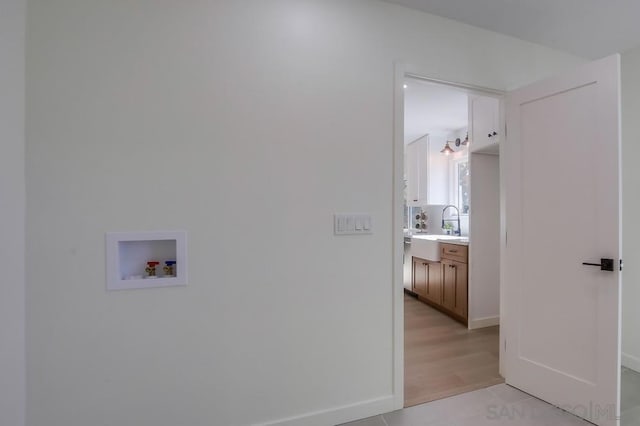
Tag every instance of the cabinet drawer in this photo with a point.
(454, 251)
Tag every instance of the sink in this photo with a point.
(427, 246)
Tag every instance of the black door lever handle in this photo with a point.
(605, 264)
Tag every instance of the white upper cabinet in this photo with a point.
(416, 161)
(426, 173)
(484, 124)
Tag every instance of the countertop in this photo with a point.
(449, 239)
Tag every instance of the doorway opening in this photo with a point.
(451, 227)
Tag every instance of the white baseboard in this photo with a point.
(338, 415)
(483, 322)
(631, 362)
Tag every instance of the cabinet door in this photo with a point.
(448, 284)
(420, 276)
(462, 291)
(411, 156)
(434, 282)
(417, 172)
(454, 287)
(407, 268)
(484, 121)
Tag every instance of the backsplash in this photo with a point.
(434, 219)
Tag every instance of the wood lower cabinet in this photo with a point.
(454, 286)
(420, 274)
(427, 279)
(444, 284)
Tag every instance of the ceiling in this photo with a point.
(586, 28)
(434, 109)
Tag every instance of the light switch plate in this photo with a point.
(352, 224)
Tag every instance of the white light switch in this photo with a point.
(352, 223)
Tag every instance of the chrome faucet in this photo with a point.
(459, 231)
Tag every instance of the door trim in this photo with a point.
(401, 72)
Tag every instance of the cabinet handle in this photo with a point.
(453, 251)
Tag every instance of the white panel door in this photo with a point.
(562, 160)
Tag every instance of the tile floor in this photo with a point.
(630, 398)
(498, 405)
(502, 405)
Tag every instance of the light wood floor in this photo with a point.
(442, 358)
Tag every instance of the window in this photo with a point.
(461, 184)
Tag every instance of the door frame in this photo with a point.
(403, 71)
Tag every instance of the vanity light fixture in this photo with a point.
(447, 149)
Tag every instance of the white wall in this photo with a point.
(438, 169)
(631, 208)
(248, 124)
(462, 153)
(484, 241)
(12, 211)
